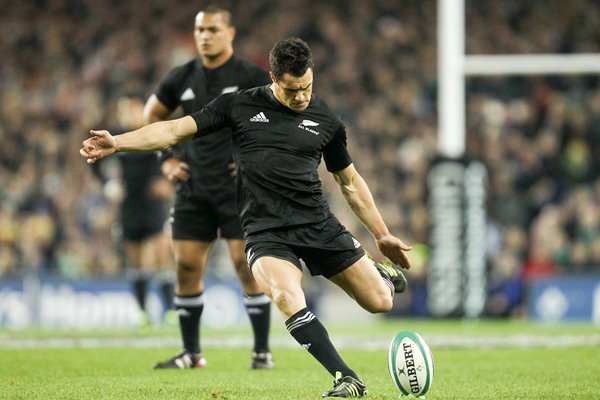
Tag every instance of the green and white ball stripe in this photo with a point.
(410, 363)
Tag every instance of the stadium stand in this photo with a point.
(65, 61)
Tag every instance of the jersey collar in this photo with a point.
(271, 98)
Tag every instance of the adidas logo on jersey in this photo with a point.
(260, 117)
(188, 94)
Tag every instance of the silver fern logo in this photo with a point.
(306, 123)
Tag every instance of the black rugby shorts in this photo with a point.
(326, 247)
(142, 221)
(202, 219)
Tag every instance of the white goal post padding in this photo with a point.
(457, 278)
(454, 65)
(531, 64)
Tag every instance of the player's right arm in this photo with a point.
(153, 137)
(171, 167)
(155, 110)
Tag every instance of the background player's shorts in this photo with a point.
(140, 222)
(326, 248)
(194, 218)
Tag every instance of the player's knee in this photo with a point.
(285, 300)
(380, 304)
(245, 276)
(187, 266)
(240, 265)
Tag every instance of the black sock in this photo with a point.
(139, 285)
(259, 312)
(190, 309)
(312, 335)
(167, 292)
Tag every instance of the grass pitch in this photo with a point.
(534, 362)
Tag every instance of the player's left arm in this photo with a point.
(359, 198)
(156, 136)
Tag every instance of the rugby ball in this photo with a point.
(410, 363)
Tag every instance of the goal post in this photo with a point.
(531, 64)
(456, 274)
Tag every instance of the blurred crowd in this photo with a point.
(65, 64)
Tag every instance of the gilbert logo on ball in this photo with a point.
(410, 363)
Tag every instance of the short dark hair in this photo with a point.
(212, 9)
(291, 56)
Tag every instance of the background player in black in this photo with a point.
(202, 171)
(280, 133)
(144, 196)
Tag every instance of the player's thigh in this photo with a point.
(231, 230)
(156, 249)
(363, 283)
(191, 254)
(162, 250)
(238, 258)
(281, 281)
(133, 253)
(237, 253)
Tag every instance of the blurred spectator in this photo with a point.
(506, 280)
(376, 65)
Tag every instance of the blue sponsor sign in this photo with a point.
(61, 303)
(567, 298)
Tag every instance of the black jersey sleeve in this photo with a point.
(335, 153)
(214, 116)
(168, 86)
(260, 77)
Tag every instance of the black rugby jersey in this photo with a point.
(138, 171)
(192, 86)
(277, 152)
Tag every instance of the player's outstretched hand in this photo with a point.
(394, 249)
(101, 145)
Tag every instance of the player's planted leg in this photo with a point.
(190, 310)
(346, 387)
(258, 308)
(262, 360)
(183, 360)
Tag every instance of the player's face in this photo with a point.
(294, 92)
(212, 34)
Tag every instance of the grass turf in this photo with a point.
(460, 373)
